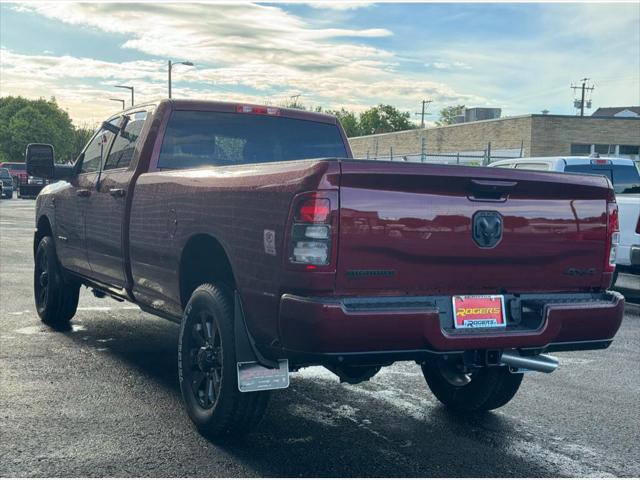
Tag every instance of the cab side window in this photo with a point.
(125, 143)
(96, 151)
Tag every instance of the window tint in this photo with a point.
(626, 179)
(590, 169)
(533, 166)
(95, 151)
(211, 138)
(580, 149)
(125, 143)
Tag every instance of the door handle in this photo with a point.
(117, 192)
(83, 192)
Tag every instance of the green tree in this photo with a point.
(81, 136)
(383, 119)
(448, 115)
(24, 121)
(348, 120)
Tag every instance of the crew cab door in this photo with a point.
(71, 205)
(106, 210)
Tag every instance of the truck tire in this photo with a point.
(207, 368)
(56, 299)
(485, 389)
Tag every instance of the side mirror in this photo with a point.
(40, 160)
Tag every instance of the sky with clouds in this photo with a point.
(520, 57)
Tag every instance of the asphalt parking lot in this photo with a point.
(103, 400)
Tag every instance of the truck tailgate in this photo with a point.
(409, 228)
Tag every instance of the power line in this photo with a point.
(583, 88)
(425, 104)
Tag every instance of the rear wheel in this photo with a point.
(476, 390)
(56, 299)
(207, 368)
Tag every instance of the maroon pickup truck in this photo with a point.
(204, 213)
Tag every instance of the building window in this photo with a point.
(580, 149)
(604, 149)
(629, 149)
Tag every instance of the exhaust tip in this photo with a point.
(537, 363)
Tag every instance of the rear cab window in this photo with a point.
(625, 178)
(195, 138)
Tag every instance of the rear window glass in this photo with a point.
(625, 178)
(194, 139)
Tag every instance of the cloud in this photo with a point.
(248, 51)
(336, 5)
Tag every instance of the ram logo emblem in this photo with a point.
(487, 229)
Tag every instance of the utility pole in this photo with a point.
(580, 104)
(294, 100)
(425, 103)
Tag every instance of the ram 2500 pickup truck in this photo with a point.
(255, 229)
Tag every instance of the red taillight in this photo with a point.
(613, 236)
(314, 210)
(314, 224)
(256, 110)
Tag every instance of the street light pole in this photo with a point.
(128, 88)
(170, 64)
(169, 68)
(119, 100)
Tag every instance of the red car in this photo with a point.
(253, 228)
(18, 171)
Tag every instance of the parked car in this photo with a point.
(31, 187)
(7, 183)
(624, 174)
(255, 229)
(18, 171)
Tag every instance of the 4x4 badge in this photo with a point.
(487, 229)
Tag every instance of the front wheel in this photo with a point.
(476, 390)
(207, 368)
(56, 299)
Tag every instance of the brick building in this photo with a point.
(526, 135)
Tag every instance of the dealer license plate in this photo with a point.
(478, 311)
(253, 377)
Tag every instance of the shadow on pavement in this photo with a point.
(319, 428)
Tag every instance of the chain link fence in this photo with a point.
(473, 158)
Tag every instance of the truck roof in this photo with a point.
(219, 106)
